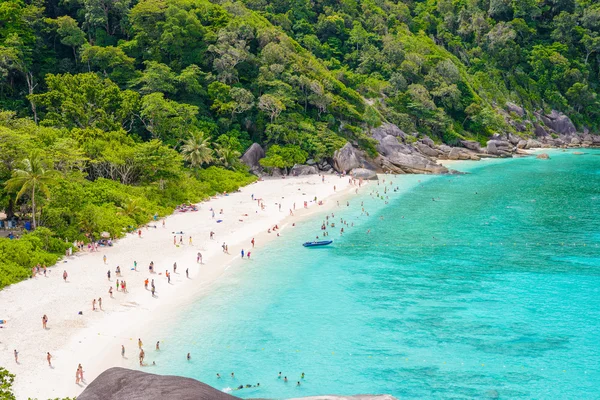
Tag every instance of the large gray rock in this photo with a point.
(407, 158)
(363, 173)
(346, 158)
(522, 144)
(558, 122)
(425, 149)
(127, 384)
(513, 108)
(471, 145)
(455, 154)
(427, 140)
(514, 139)
(575, 141)
(491, 147)
(386, 129)
(298, 170)
(533, 144)
(252, 156)
(539, 131)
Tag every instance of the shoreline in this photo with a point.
(94, 338)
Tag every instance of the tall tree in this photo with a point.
(32, 179)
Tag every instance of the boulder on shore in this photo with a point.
(252, 156)
(363, 173)
(121, 383)
(346, 158)
(559, 123)
(300, 169)
(471, 145)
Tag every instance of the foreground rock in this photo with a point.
(122, 383)
(127, 384)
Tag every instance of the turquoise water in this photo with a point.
(490, 291)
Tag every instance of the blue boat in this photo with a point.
(316, 244)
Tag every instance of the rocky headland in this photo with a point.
(402, 153)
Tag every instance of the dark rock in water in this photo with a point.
(363, 173)
(298, 170)
(543, 156)
(513, 108)
(252, 157)
(122, 383)
(346, 158)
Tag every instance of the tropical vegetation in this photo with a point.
(117, 110)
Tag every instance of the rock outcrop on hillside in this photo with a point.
(401, 153)
(127, 384)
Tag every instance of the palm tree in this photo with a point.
(228, 157)
(33, 179)
(196, 150)
(130, 208)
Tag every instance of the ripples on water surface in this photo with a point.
(490, 291)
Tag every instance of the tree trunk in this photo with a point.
(33, 206)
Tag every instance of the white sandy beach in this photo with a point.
(94, 339)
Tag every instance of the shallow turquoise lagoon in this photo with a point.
(484, 285)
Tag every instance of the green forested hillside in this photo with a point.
(114, 110)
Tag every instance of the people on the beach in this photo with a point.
(94, 305)
(142, 355)
(49, 358)
(65, 275)
(140, 343)
(189, 357)
(158, 345)
(16, 353)
(122, 351)
(100, 303)
(44, 321)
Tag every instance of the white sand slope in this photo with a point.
(94, 339)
